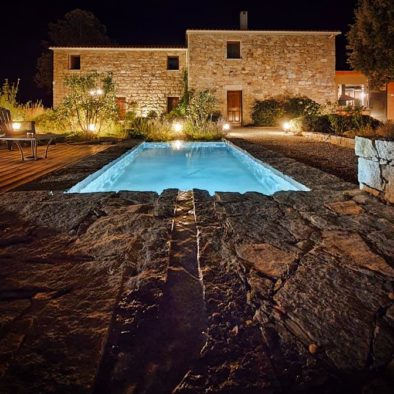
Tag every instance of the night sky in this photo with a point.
(24, 24)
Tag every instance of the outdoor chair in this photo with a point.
(7, 129)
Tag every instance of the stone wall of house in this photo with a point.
(141, 75)
(376, 167)
(270, 64)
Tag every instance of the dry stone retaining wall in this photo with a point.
(376, 167)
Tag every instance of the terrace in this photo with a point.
(182, 290)
(216, 215)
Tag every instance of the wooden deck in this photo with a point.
(14, 172)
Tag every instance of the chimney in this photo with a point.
(243, 19)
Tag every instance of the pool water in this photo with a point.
(212, 166)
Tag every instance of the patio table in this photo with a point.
(34, 140)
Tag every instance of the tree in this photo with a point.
(77, 28)
(200, 107)
(371, 41)
(91, 101)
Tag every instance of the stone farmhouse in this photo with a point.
(239, 65)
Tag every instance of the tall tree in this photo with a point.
(371, 40)
(77, 27)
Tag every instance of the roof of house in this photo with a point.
(115, 47)
(191, 31)
(274, 32)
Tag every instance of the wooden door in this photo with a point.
(390, 101)
(172, 103)
(121, 103)
(234, 106)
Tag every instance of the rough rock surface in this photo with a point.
(66, 260)
(191, 293)
(375, 167)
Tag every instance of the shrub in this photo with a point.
(8, 93)
(152, 114)
(151, 129)
(294, 107)
(8, 99)
(335, 123)
(266, 112)
(271, 111)
(90, 101)
(30, 111)
(52, 121)
(200, 107)
(209, 131)
(342, 123)
(386, 130)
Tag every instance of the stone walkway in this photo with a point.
(334, 159)
(191, 293)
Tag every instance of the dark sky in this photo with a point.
(25, 23)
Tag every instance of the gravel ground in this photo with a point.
(336, 160)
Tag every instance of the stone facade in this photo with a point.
(140, 74)
(376, 167)
(270, 63)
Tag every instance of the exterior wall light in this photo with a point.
(177, 127)
(226, 127)
(16, 126)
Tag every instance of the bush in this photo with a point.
(266, 112)
(335, 123)
(294, 107)
(271, 111)
(90, 102)
(200, 108)
(151, 129)
(386, 130)
(210, 131)
(52, 121)
(8, 99)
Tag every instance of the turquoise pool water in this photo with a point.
(212, 166)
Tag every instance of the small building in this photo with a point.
(353, 90)
(240, 66)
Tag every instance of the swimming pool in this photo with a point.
(212, 166)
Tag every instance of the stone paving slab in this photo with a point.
(298, 289)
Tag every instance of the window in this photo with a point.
(353, 95)
(172, 102)
(75, 62)
(121, 104)
(233, 50)
(173, 63)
